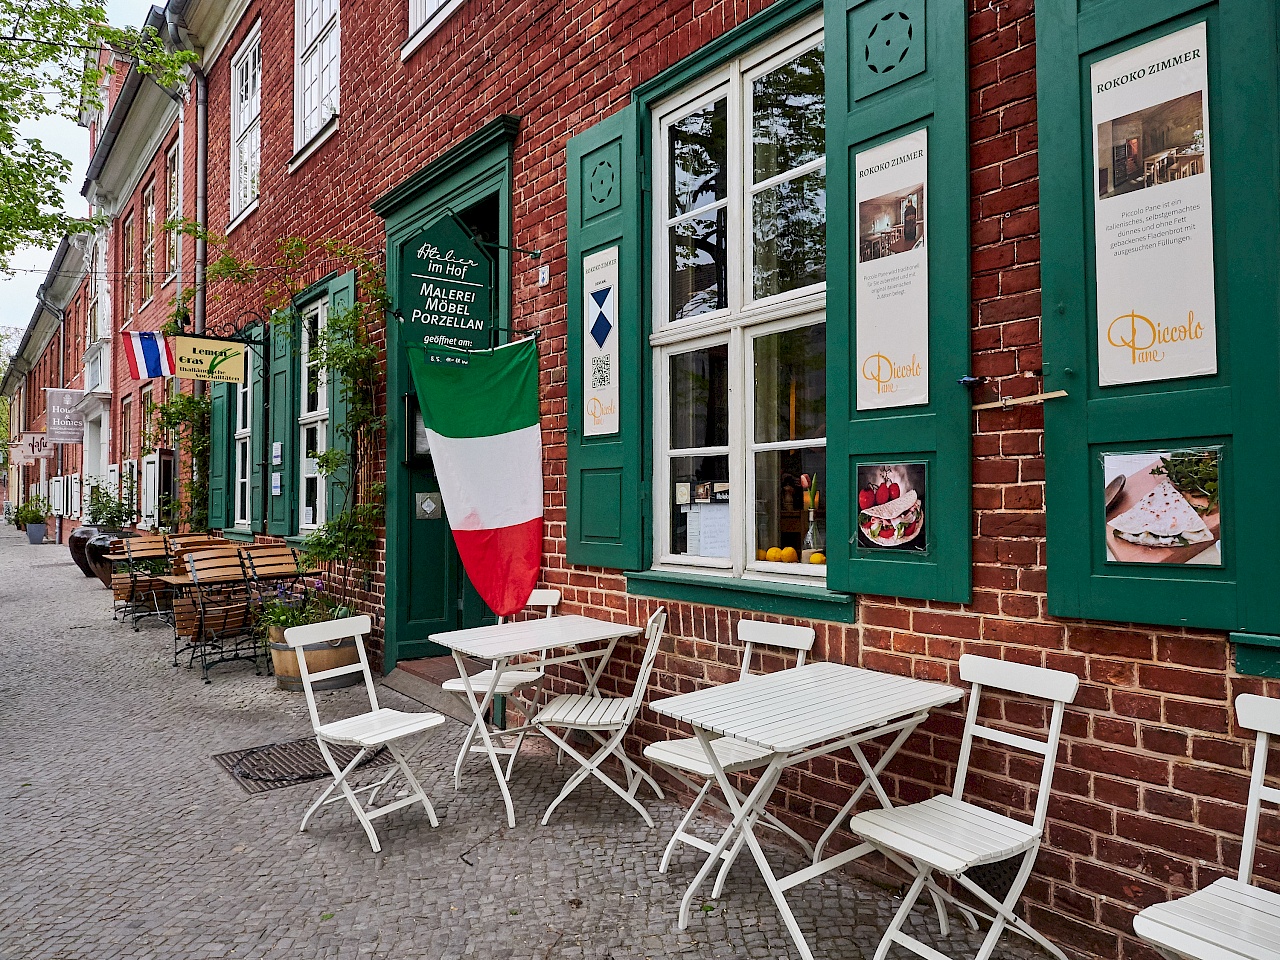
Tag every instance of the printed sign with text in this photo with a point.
(600, 343)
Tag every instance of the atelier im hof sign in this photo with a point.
(446, 290)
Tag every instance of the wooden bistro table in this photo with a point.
(561, 637)
(797, 715)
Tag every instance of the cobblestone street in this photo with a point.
(122, 838)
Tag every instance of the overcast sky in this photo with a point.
(18, 293)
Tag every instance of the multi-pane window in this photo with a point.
(91, 313)
(243, 446)
(246, 110)
(420, 11)
(172, 210)
(145, 421)
(126, 428)
(739, 335)
(316, 78)
(313, 419)
(128, 253)
(148, 242)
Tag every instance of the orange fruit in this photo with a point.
(761, 554)
(774, 555)
(789, 555)
(818, 558)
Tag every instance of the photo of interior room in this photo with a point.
(892, 223)
(1152, 146)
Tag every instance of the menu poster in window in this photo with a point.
(1162, 506)
(600, 343)
(892, 274)
(1153, 212)
(891, 506)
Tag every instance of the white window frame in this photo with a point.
(310, 120)
(246, 122)
(318, 418)
(126, 428)
(173, 209)
(425, 16)
(149, 243)
(744, 319)
(243, 451)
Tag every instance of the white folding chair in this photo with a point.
(947, 835)
(597, 716)
(508, 683)
(379, 727)
(1229, 919)
(685, 755)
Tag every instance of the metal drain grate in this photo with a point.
(278, 765)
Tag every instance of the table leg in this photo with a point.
(479, 708)
(745, 815)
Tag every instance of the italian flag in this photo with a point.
(481, 414)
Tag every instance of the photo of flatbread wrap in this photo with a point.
(1167, 510)
(896, 522)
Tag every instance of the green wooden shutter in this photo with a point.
(222, 409)
(283, 413)
(1233, 409)
(258, 366)
(871, 101)
(606, 493)
(342, 295)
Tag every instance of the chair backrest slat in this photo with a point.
(753, 633)
(653, 639)
(354, 628)
(1057, 686)
(1261, 714)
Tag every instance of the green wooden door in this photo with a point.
(427, 588)
(1118, 179)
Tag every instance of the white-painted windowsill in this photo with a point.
(243, 215)
(424, 32)
(304, 154)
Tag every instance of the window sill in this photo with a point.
(1256, 655)
(238, 536)
(299, 540)
(305, 152)
(432, 23)
(779, 599)
(243, 215)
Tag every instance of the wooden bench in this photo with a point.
(224, 628)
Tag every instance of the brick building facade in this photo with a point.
(473, 114)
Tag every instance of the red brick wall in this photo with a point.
(1149, 794)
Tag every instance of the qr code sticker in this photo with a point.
(600, 376)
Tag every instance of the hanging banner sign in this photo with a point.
(32, 446)
(1153, 212)
(446, 291)
(204, 358)
(64, 423)
(892, 274)
(600, 343)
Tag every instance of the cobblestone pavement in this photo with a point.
(121, 838)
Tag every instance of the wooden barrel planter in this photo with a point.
(320, 656)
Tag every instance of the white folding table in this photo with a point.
(500, 643)
(799, 714)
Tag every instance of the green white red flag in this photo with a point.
(481, 414)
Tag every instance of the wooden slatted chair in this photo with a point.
(685, 756)
(378, 727)
(145, 559)
(182, 544)
(224, 627)
(273, 569)
(948, 835)
(1229, 919)
(509, 683)
(606, 720)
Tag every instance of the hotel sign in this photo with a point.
(446, 290)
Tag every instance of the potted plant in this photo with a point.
(292, 609)
(110, 514)
(30, 517)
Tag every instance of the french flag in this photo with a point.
(148, 354)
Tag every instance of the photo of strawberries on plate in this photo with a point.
(891, 506)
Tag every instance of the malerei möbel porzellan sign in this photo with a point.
(446, 288)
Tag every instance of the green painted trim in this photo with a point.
(500, 130)
(314, 291)
(1256, 655)
(779, 599)
(737, 41)
(239, 536)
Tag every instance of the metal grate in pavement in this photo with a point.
(277, 765)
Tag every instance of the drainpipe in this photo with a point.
(202, 193)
